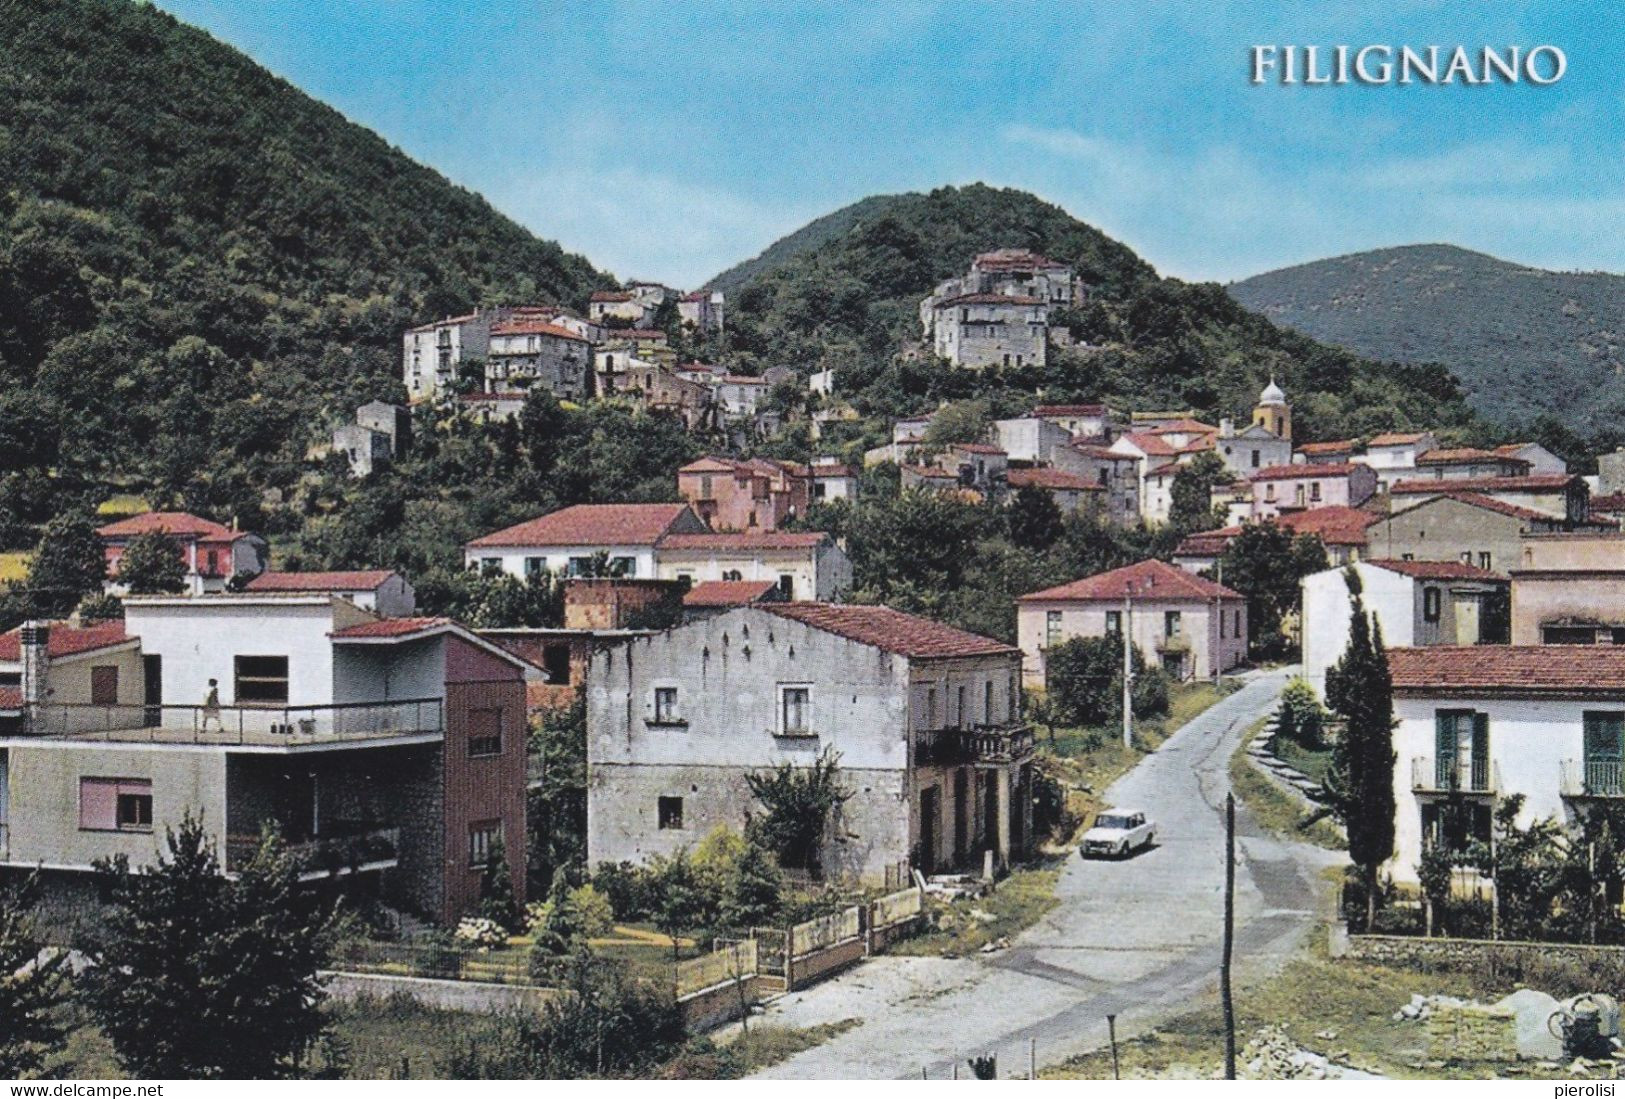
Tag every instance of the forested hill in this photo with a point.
(198, 261)
(844, 291)
(1515, 336)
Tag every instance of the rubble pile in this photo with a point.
(1270, 1054)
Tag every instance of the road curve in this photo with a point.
(1138, 938)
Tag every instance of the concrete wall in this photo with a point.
(68, 679)
(1528, 742)
(475, 996)
(556, 559)
(380, 673)
(1540, 598)
(44, 799)
(1207, 652)
(821, 573)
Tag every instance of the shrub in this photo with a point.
(481, 933)
(1301, 718)
(626, 887)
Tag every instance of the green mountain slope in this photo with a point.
(1516, 337)
(844, 291)
(198, 261)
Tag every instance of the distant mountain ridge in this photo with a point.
(1523, 341)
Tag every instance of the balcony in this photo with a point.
(1479, 778)
(1592, 779)
(976, 745)
(241, 726)
(354, 848)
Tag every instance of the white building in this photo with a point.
(1416, 603)
(703, 310)
(805, 565)
(433, 353)
(1030, 439)
(832, 479)
(1393, 455)
(565, 542)
(1475, 725)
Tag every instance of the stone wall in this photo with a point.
(476, 996)
(1413, 950)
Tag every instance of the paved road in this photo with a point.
(1139, 938)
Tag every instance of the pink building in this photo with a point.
(212, 553)
(758, 494)
(1305, 487)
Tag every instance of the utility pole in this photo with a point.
(1229, 936)
(1128, 675)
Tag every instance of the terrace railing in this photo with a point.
(1590, 778)
(1447, 775)
(242, 725)
(990, 744)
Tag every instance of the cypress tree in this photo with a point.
(1361, 781)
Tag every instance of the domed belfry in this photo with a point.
(1272, 413)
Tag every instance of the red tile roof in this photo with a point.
(610, 295)
(1300, 472)
(990, 299)
(354, 580)
(833, 470)
(67, 640)
(1335, 526)
(1153, 446)
(1340, 446)
(979, 448)
(1436, 570)
(1069, 410)
(1053, 480)
(635, 334)
(1534, 482)
(727, 593)
(592, 525)
(1398, 438)
(392, 627)
(891, 630)
(1515, 671)
(1094, 450)
(1614, 501)
(1466, 455)
(176, 524)
(1490, 503)
(1149, 579)
(528, 327)
(1183, 426)
(745, 540)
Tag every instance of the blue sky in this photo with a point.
(669, 140)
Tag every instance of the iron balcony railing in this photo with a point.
(1588, 778)
(1447, 775)
(237, 725)
(955, 746)
(350, 848)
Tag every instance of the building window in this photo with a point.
(1052, 628)
(104, 685)
(1484, 560)
(666, 706)
(670, 811)
(1255, 459)
(556, 663)
(1114, 622)
(484, 732)
(987, 703)
(490, 566)
(535, 566)
(261, 681)
(115, 804)
(1467, 557)
(1430, 604)
(1171, 623)
(733, 574)
(931, 708)
(483, 837)
(623, 566)
(795, 711)
(578, 566)
(1269, 491)
(1314, 490)
(787, 585)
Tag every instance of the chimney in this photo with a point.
(35, 643)
(1227, 427)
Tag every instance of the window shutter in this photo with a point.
(98, 803)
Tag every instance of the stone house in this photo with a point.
(1569, 589)
(364, 448)
(1301, 487)
(527, 353)
(924, 720)
(741, 397)
(928, 479)
(1478, 724)
(1558, 495)
(1539, 458)
(1611, 472)
(388, 751)
(1190, 626)
(832, 479)
(636, 306)
(1342, 531)
(982, 330)
(656, 387)
(1416, 603)
(1457, 526)
(213, 554)
(1117, 472)
(1082, 421)
(703, 310)
(433, 354)
(1010, 272)
(491, 408)
(1070, 492)
(745, 494)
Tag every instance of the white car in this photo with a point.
(1117, 832)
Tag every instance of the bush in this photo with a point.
(626, 888)
(1301, 718)
(481, 933)
(1051, 817)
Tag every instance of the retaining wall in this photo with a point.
(1414, 950)
(475, 996)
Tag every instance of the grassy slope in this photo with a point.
(1514, 335)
